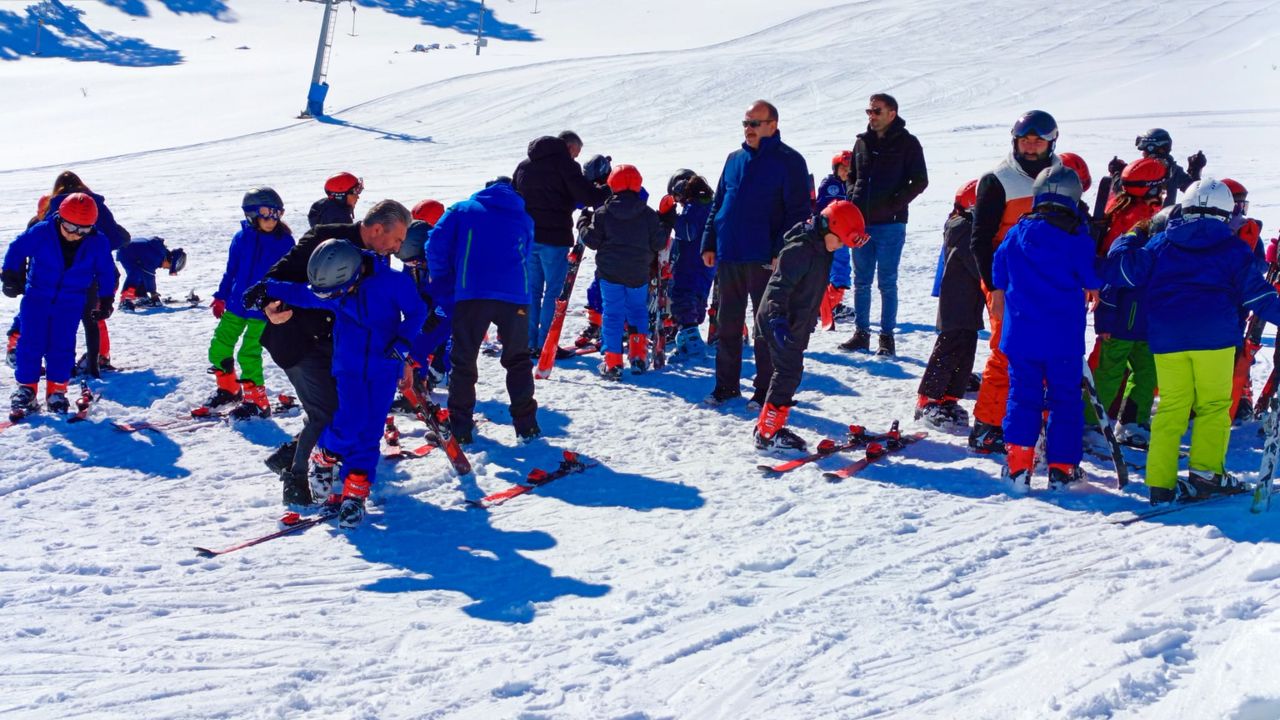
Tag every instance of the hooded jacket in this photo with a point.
(626, 234)
(1197, 275)
(38, 253)
(251, 255)
(761, 194)
(479, 247)
(797, 285)
(327, 211)
(887, 173)
(553, 186)
(106, 225)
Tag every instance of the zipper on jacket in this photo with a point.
(466, 259)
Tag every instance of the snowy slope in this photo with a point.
(673, 580)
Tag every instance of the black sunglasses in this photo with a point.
(875, 111)
(754, 123)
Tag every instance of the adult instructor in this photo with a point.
(762, 193)
(300, 340)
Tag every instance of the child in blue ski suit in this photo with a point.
(433, 341)
(1043, 272)
(841, 275)
(53, 265)
(376, 321)
(140, 260)
(690, 277)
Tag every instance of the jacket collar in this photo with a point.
(768, 144)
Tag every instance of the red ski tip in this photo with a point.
(570, 456)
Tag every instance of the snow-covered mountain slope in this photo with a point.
(673, 580)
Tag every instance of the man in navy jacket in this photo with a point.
(762, 193)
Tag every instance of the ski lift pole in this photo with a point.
(480, 30)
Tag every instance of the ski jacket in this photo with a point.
(1122, 221)
(140, 260)
(117, 236)
(553, 186)
(382, 315)
(626, 234)
(327, 211)
(309, 331)
(686, 244)
(1044, 270)
(1004, 195)
(480, 245)
(831, 188)
(1122, 310)
(796, 288)
(960, 298)
(761, 194)
(1198, 275)
(38, 253)
(252, 254)
(887, 173)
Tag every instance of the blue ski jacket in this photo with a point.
(762, 193)
(480, 246)
(117, 237)
(39, 251)
(140, 260)
(251, 255)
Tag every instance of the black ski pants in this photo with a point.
(471, 318)
(788, 367)
(950, 365)
(740, 282)
(313, 381)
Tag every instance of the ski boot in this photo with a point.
(611, 368)
(1204, 484)
(1162, 495)
(527, 428)
(771, 432)
(590, 336)
(986, 439)
(296, 490)
(11, 350)
(1063, 476)
(720, 396)
(55, 397)
(1018, 466)
(282, 458)
(228, 390)
(253, 403)
(929, 412)
(324, 471)
(689, 345)
(355, 489)
(955, 413)
(638, 351)
(1134, 435)
(23, 402)
(841, 312)
(860, 342)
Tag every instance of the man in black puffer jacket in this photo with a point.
(552, 185)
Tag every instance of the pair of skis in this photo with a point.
(189, 422)
(84, 403)
(547, 359)
(876, 447)
(536, 478)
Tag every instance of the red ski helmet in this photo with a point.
(967, 195)
(428, 211)
(625, 177)
(338, 186)
(844, 157)
(1077, 163)
(1142, 177)
(1236, 188)
(845, 220)
(78, 209)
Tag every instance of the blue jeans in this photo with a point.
(622, 305)
(884, 250)
(546, 268)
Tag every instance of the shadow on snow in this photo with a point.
(383, 134)
(63, 34)
(460, 15)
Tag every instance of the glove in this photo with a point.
(437, 316)
(667, 212)
(218, 307)
(781, 331)
(106, 306)
(1195, 164)
(1250, 232)
(584, 219)
(256, 296)
(13, 283)
(1116, 166)
(1273, 251)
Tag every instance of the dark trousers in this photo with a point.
(788, 367)
(471, 318)
(92, 338)
(313, 382)
(740, 282)
(950, 365)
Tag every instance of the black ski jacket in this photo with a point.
(797, 285)
(625, 233)
(960, 300)
(887, 174)
(553, 186)
(327, 211)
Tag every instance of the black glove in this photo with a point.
(584, 219)
(106, 306)
(1116, 166)
(13, 283)
(1195, 164)
(255, 298)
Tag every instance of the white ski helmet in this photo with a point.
(1209, 197)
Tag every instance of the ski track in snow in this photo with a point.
(673, 580)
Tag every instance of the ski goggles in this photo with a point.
(71, 228)
(269, 213)
(335, 291)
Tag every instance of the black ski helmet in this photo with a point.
(415, 242)
(261, 197)
(1038, 123)
(679, 182)
(597, 169)
(334, 267)
(1059, 186)
(1155, 140)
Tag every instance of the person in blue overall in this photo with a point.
(378, 317)
(433, 342)
(691, 278)
(53, 265)
(141, 259)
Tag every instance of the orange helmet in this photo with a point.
(1077, 163)
(1143, 177)
(1235, 187)
(338, 186)
(428, 211)
(625, 177)
(967, 195)
(78, 209)
(844, 157)
(845, 220)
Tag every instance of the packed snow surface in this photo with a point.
(673, 580)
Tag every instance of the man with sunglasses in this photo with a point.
(763, 192)
(53, 265)
(888, 172)
(300, 340)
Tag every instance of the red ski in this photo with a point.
(552, 344)
(875, 451)
(292, 521)
(535, 479)
(827, 447)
